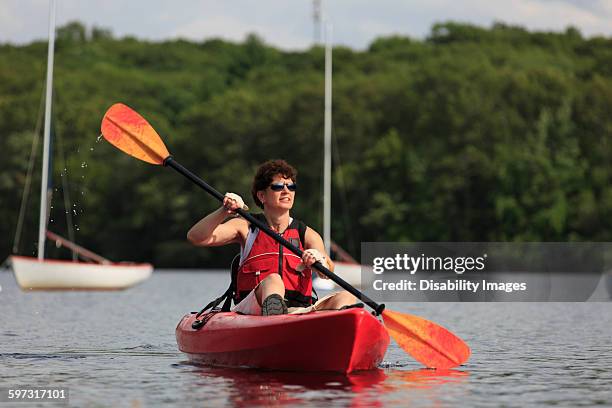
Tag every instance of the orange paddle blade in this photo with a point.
(430, 344)
(131, 133)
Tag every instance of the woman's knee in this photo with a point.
(273, 283)
(273, 279)
(340, 299)
(345, 298)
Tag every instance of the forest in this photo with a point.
(469, 134)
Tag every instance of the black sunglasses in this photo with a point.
(281, 186)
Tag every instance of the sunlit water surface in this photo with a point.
(118, 349)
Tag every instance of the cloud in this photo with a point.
(600, 7)
(17, 26)
(236, 29)
(288, 23)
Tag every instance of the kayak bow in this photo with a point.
(340, 341)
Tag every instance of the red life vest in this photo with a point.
(266, 256)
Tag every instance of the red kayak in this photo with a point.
(340, 341)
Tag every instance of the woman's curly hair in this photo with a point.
(265, 174)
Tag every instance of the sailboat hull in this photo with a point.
(34, 274)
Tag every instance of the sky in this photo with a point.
(288, 24)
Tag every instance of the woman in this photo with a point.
(270, 280)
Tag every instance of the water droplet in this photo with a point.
(83, 165)
(91, 149)
(74, 212)
(78, 229)
(99, 138)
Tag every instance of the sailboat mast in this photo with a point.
(327, 140)
(42, 225)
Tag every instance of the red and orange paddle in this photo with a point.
(430, 344)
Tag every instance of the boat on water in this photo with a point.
(51, 274)
(39, 273)
(336, 341)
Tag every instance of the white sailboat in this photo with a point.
(47, 274)
(349, 269)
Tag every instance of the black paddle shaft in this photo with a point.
(169, 161)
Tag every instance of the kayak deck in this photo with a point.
(339, 341)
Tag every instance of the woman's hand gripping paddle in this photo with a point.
(429, 343)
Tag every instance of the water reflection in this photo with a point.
(246, 387)
(426, 378)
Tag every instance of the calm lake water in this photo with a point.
(118, 349)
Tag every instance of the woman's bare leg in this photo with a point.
(272, 284)
(340, 299)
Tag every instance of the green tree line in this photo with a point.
(471, 134)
